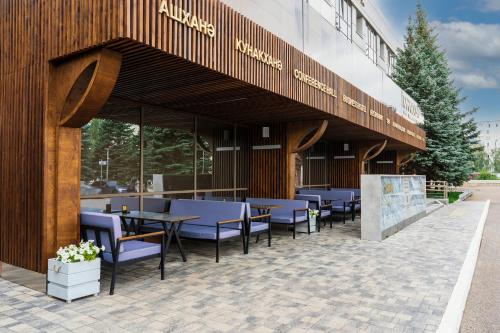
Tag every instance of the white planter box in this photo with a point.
(302, 226)
(73, 280)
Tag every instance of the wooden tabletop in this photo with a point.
(259, 206)
(160, 217)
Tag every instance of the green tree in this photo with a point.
(422, 70)
(122, 141)
(168, 151)
(481, 160)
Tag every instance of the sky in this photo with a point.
(469, 32)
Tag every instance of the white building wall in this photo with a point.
(314, 27)
(489, 136)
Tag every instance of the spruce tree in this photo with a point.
(121, 139)
(422, 70)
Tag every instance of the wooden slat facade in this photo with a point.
(36, 35)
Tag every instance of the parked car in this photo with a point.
(86, 189)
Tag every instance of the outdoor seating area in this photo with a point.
(134, 235)
(344, 201)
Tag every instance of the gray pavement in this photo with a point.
(482, 311)
(327, 282)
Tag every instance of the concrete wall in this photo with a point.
(390, 203)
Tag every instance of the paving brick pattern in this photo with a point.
(326, 282)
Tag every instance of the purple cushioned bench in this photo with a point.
(316, 203)
(219, 220)
(289, 212)
(341, 201)
(357, 196)
(105, 230)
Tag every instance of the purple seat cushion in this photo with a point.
(156, 205)
(286, 219)
(285, 211)
(314, 200)
(134, 250)
(207, 232)
(258, 226)
(325, 213)
(210, 212)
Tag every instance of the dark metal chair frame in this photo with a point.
(295, 211)
(264, 218)
(115, 249)
(218, 240)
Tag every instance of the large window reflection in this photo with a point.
(168, 151)
(110, 160)
(182, 156)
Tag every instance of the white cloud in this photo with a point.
(491, 5)
(475, 80)
(473, 51)
(465, 39)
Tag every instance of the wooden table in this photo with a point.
(150, 218)
(264, 209)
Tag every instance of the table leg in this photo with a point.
(124, 222)
(137, 226)
(174, 229)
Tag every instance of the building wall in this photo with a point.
(489, 136)
(29, 37)
(314, 27)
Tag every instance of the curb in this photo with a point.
(452, 317)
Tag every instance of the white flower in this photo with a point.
(73, 253)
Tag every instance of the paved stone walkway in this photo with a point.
(327, 282)
(482, 311)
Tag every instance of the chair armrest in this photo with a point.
(148, 235)
(326, 206)
(260, 217)
(301, 210)
(229, 221)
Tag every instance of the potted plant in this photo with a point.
(75, 273)
(302, 227)
(313, 214)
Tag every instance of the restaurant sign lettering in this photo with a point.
(315, 83)
(188, 19)
(259, 55)
(355, 104)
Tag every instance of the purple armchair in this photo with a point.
(105, 229)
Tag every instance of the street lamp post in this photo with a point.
(107, 164)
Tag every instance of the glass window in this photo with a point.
(168, 151)
(391, 62)
(344, 18)
(242, 158)
(314, 166)
(110, 155)
(183, 156)
(360, 24)
(382, 49)
(371, 44)
(215, 155)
